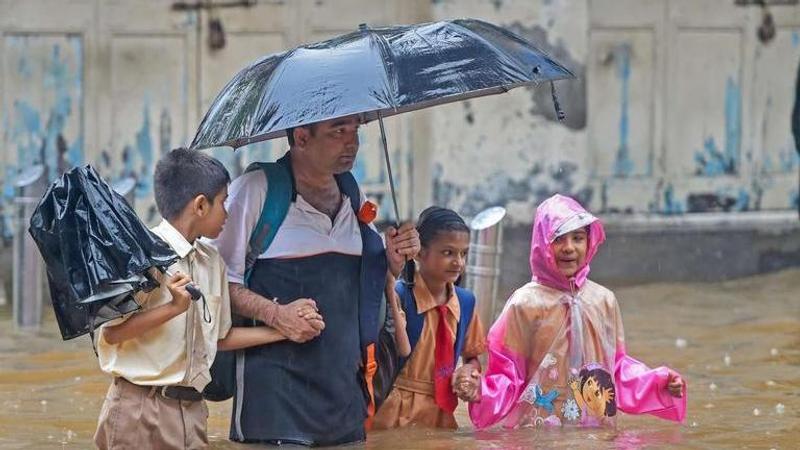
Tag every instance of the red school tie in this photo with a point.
(444, 362)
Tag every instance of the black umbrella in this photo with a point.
(97, 252)
(375, 73)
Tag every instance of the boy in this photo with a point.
(160, 356)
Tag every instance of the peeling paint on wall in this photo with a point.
(623, 164)
(571, 93)
(671, 204)
(498, 189)
(712, 161)
(43, 108)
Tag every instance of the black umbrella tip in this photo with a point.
(363, 27)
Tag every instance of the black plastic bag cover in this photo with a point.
(374, 70)
(97, 251)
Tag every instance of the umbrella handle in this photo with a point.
(193, 291)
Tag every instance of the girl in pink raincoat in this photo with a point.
(557, 352)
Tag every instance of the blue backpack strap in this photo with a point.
(276, 205)
(370, 299)
(373, 267)
(414, 320)
(466, 301)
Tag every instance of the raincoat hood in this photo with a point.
(556, 216)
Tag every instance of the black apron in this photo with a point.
(310, 393)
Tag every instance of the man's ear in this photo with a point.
(301, 135)
(200, 205)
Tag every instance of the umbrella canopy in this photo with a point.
(97, 252)
(372, 72)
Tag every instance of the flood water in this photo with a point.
(736, 343)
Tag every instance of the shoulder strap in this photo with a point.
(276, 205)
(349, 187)
(466, 301)
(414, 320)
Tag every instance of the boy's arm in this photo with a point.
(401, 339)
(243, 337)
(147, 320)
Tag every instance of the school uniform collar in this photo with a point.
(175, 239)
(425, 301)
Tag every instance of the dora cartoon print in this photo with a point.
(593, 390)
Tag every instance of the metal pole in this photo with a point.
(28, 267)
(483, 270)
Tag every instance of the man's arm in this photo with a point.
(299, 321)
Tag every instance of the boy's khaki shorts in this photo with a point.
(138, 418)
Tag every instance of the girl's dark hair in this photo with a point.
(605, 381)
(432, 221)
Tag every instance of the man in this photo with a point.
(309, 390)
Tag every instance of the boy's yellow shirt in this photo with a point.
(180, 351)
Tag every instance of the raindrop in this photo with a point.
(709, 405)
(727, 360)
(712, 386)
(780, 408)
(77, 379)
(680, 343)
(774, 352)
(43, 402)
(756, 412)
(771, 383)
(694, 424)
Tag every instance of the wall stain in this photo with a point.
(37, 128)
(712, 161)
(498, 189)
(571, 93)
(623, 164)
(671, 204)
(164, 133)
(144, 150)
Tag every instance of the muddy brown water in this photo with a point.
(737, 343)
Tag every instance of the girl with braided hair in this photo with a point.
(441, 323)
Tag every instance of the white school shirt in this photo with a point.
(181, 350)
(304, 232)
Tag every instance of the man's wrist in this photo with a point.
(269, 314)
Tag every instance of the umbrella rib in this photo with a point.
(512, 36)
(388, 61)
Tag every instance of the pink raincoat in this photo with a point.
(557, 352)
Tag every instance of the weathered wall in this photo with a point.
(677, 107)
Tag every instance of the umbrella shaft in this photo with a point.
(389, 170)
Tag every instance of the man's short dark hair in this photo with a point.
(290, 136)
(183, 174)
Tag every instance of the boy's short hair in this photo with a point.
(183, 174)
